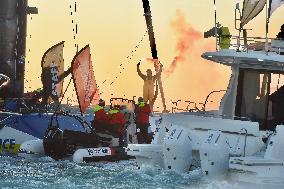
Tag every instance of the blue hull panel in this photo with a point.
(36, 124)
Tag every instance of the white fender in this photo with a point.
(177, 149)
(214, 154)
(32, 149)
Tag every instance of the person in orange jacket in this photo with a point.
(101, 119)
(142, 111)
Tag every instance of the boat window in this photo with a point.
(260, 98)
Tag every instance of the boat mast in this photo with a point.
(148, 17)
(13, 31)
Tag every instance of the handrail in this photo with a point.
(241, 43)
(175, 106)
(212, 92)
(245, 144)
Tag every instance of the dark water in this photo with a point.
(45, 173)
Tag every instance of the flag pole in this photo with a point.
(266, 29)
(215, 12)
(148, 18)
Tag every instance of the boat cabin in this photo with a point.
(256, 88)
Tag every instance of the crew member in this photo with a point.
(149, 80)
(280, 35)
(142, 111)
(117, 123)
(101, 119)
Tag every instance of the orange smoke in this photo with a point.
(194, 76)
(188, 36)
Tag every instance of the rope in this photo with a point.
(122, 66)
(28, 52)
(74, 24)
(55, 112)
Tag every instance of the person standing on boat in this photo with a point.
(117, 123)
(101, 119)
(142, 112)
(148, 87)
(280, 35)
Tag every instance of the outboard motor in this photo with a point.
(275, 145)
(177, 149)
(214, 154)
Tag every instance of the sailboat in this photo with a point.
(245, 134)
(19, 120)
(82, 145)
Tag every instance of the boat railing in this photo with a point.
(245, 44)
(188, 106)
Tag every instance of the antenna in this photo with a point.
(215, 20)
(266, 28)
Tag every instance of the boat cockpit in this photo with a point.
(260, 97)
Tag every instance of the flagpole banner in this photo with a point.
(52, 67)
(84, 79)
(251, 8)
(274, 4)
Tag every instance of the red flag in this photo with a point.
(84, 79)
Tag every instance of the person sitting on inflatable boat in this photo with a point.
(117, 120)
(101, 119)
(142, 111)
(117, 123)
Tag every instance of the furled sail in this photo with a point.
(274, 4)
(251, 8)
(52, 68)
(84, 79)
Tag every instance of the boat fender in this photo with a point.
(32, 149)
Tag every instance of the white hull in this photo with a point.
(11, 139)
(240, 141)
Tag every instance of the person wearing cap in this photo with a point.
(117, 123)
(142, 111)
(101, 119)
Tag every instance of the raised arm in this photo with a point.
(140, 73)
(159, 72)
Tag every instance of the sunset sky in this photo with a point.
(114, 27)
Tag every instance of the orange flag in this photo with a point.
(84, 79)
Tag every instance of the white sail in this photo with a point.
(251, 8)
(274, 4)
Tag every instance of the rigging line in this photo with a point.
(128, 59)
(278, 82)
(63, 96)
(130, 56)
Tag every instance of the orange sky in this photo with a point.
(113, 28)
